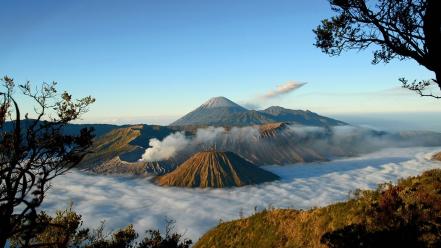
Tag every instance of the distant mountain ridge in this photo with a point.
(220, 111)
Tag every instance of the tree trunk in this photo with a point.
(6, 223)
(3, 241)
(5, 229)
(432, 33)
(438, 78)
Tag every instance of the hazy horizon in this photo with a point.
(392, 121)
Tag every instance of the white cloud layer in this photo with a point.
(123, 200)
(247, 141)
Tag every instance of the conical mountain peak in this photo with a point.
(220, 102)
(216, 111)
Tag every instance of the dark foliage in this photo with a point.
(396, 216)
(403, 29)
(358, 236)
(35, 151)
(65, 230)
(154, 238)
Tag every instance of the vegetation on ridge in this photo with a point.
(404, 215)
(65, 230)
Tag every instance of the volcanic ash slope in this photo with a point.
(216, 169)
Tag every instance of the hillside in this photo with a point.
(215, 170)
(271, 130)
(127, 142)
(220, 111)
(116, 166)
(405, 215)
(437, 156)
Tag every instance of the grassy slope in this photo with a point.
(280, 228)
(128, 142)
(112, 144)
(379, 211)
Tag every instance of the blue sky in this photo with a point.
(152, 61)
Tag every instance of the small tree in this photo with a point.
(61, 231)
(403, 29)
(154, 239)
(35, 151)
(65, 230)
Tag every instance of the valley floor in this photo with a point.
(123, 200)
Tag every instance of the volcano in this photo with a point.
(216, 169)
(217, 110)
(220, 111)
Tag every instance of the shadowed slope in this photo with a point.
(216, 170)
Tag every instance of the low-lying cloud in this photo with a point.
(121, 200)
(288, 144)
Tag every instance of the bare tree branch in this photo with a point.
(35, 151)
(403, 29)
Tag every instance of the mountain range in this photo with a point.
(220, 111)
(272, 136)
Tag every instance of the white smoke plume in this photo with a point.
(283, 89)
(260, 100)
(205, 138)
(207, 135)
(166, 148)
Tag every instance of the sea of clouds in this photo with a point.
(330, 142)
(123, 200)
